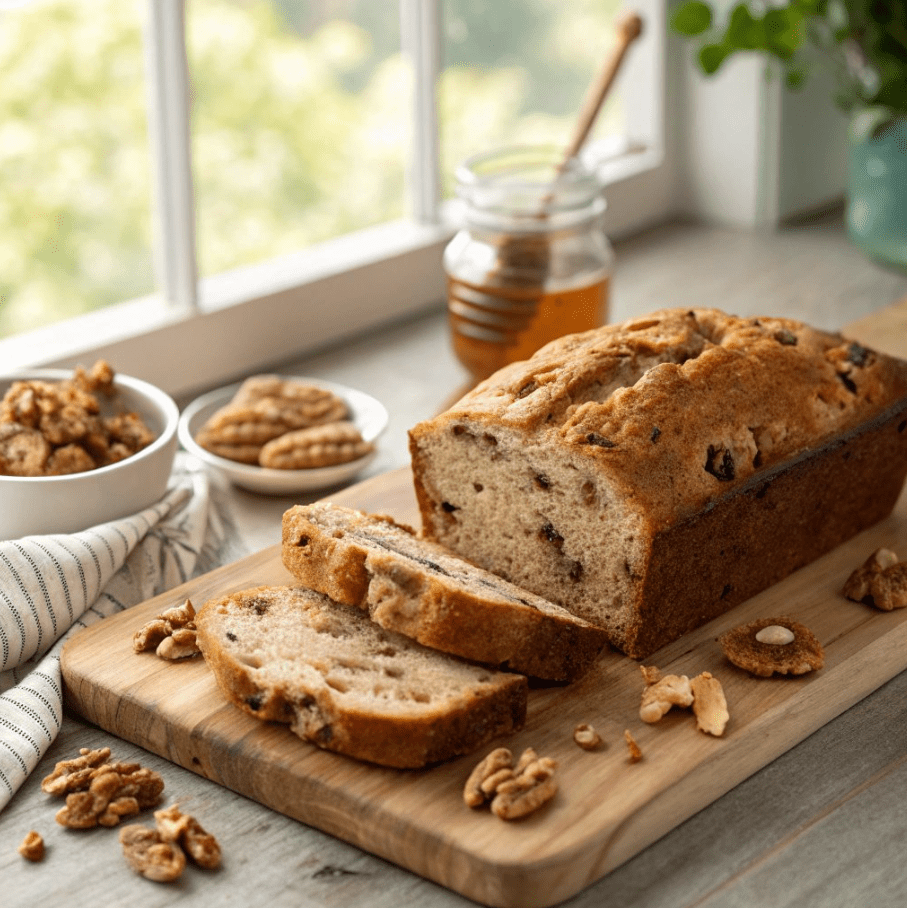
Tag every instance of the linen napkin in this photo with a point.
(52, 586)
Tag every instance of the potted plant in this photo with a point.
(863, 43)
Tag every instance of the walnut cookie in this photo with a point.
(763, 649)
(283, 424)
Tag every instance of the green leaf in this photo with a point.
(692, 18)
(744, 31)
(711, 56)
(784, 32)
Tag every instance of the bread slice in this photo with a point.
(347, 685)
(420, 589)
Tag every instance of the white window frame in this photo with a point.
(198, 333)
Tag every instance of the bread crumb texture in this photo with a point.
(343, 683)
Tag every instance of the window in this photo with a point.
(283, 184)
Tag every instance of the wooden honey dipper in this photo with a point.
(486, 321)
(629, 28)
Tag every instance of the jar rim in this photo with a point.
(522, 178)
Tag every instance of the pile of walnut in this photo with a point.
(514, 791)
(100, 792)
(54, 428)
(283, 424)
(704, 693)
(172, 634)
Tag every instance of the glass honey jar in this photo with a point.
(531, 261)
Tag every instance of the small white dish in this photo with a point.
(36, 505)
(368, 414)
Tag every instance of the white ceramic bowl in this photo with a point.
(33, 505)
(367, 413)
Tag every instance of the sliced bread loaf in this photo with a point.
(650, 476)
(418, 588)
(347, 685)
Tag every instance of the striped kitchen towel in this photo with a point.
(52, 586)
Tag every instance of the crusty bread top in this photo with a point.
(683, 405)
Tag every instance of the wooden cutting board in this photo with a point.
(607, 809)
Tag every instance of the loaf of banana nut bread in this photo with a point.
(649, 476)
(417, 588)
(345, 684)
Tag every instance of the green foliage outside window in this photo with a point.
(300, 129)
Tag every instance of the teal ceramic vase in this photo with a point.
(877, 193)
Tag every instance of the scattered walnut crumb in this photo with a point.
(32, 847)
(514, 791)
(881, 581)
(658, 698)
(709, 704)
(634, 748)
(650, 674)
(587, 737)
(172, 634)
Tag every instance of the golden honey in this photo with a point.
(531, 261)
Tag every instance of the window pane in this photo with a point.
(75, 194)
(300, 123)
(516, 71)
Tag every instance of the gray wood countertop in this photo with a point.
(823, 825)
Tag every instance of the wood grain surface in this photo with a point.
(607, 809)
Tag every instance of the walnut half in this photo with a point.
(514, 791)
(171, 634)
(159, 854)
(150, 856)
